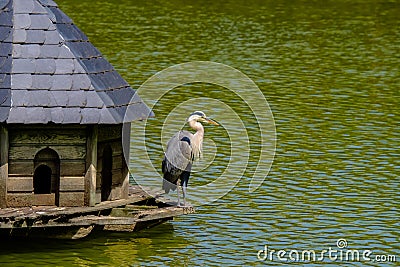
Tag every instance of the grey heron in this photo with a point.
(182, 149)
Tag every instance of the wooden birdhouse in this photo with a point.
(63, 109)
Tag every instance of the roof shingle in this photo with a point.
(50, 72)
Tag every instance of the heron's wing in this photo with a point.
(179, 151)
(177, 159)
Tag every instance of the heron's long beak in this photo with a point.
(210, 121)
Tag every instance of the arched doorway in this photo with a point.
(42, 180)
(46, 178)
(106, 173)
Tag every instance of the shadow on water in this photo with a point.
(101, 248)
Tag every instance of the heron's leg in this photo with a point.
(179, 201)
(184, 187)
(184, 179)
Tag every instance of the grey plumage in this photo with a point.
(177, 162)
(181, 150)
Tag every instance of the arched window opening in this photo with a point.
(42, 180)
(46, 178)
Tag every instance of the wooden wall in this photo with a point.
(111, 135)
(3, 165)
(25, 141)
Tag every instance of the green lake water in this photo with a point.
(330, 71)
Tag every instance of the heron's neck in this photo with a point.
(195, 125)
(197, 138)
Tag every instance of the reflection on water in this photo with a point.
(330, 72)
(104, 249)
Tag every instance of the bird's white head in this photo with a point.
(200, 116)
(194, 121)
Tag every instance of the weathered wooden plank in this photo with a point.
(160, 213)
(20, 199)
(74, 183)
(73, 167)
(117, 161)
(116, 176)
(8, 211)
(120, 227)
(83, 232)
(123, 212)
(156, 192)
(4, 150)
(78, 222)
(72, 199)
(91, 164)
(44, 199)
(20, 184)
(23, 212)
(116, 147)
(28, 152)
(48, 137)
(79, 211)
(115, 192)
(53, 212)
(149, 215)
(20, 167)
(9, 214)
(109, 132)
(98, 195)
(140, 207)
(135, 189)
(101, 220)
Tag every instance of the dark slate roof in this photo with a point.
(50, 72)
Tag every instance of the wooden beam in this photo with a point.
(72, 183)
(66, 152)
(126, 133)
(91, 166)
(20, 184)
(53, 212)
(4, 145)
(47, 136)
(126, 140)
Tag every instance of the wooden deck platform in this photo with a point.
(139, 211)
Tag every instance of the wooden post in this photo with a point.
(126, 138)
(91, 166)
(4, 144)
(125, 181)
